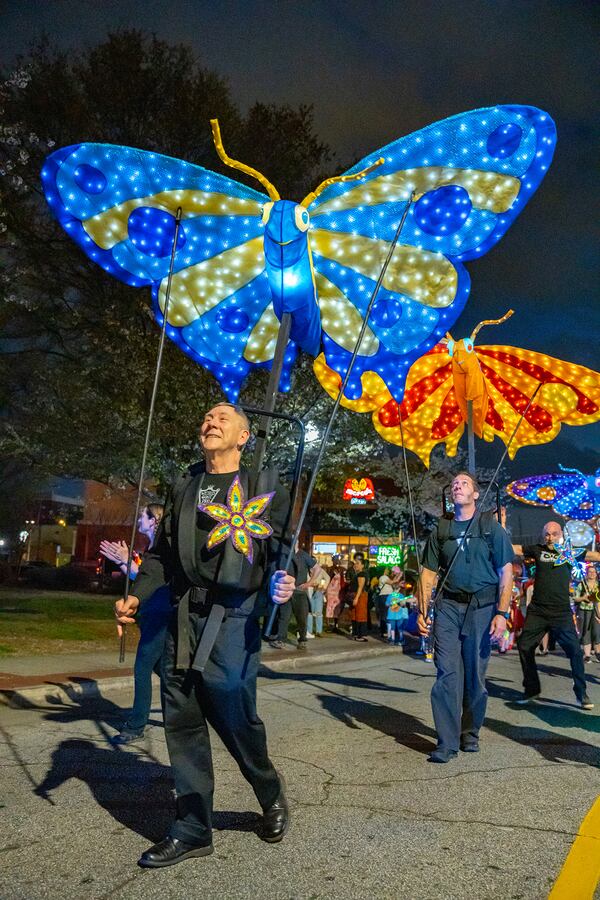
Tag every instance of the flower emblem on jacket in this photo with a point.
(238, 520)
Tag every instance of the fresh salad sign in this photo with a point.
(390, 555)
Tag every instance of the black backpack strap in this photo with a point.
(443, 529)
(486, 522)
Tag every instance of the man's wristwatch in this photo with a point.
(505, 615)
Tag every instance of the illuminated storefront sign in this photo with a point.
(390, 555)
(359, 491)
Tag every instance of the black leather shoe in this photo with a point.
(170, 852)
(442, 756)
(276, 818)
(470, 747)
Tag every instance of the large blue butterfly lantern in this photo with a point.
(571, 493)
(244, 258)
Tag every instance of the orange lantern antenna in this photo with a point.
(478, 328)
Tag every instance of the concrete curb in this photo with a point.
(73, 692)
(300, 662)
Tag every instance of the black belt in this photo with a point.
(458, 596)
(471, 601)
(197, 599)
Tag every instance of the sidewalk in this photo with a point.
(40, 680)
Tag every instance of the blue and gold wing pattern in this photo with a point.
(119, 205)
(469, 177)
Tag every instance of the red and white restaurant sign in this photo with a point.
(359, 490)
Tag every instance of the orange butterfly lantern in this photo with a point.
(498, 380)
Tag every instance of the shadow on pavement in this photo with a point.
(231, 820)
(406, 729)
(552, 745)
(547, 669)
(341, 680)
(429, 672)
(497, 688)
(91, 707)
(135, 790)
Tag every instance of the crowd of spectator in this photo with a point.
(358, 601)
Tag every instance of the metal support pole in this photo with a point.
(161, 344)
(283, 336)
(470, 438)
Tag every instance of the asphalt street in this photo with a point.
(371, 817)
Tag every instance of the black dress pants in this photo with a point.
(224, 695)
(300, 607)
(537, 623)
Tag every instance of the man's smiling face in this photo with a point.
(223, 429)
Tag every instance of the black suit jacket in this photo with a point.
(175, 556)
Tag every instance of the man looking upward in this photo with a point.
(217, 545)
(472, 605)
(550, 611)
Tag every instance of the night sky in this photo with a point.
(378, 70)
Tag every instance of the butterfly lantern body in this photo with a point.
(244, 258)
(469, 383)
(570, 492)
(290, 272)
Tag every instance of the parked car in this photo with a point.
(36, 572)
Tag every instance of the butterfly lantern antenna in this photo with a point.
(478, 328)
(574, 471)
(337, 179)
(241, 167)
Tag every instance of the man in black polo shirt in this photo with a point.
(550, 611)
(472, 606)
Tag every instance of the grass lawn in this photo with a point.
(38, 621)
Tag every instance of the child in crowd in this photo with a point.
(334, 594)
(588, 615)
(397, 614)
(385, 588)
(317, 587)
(514, 624)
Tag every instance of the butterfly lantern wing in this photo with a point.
(429, 413)
(119, 204)
(470, 176)
(545, 490)
(568, 393)
(584, 502)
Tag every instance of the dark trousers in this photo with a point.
(563, 630)
(224, 696)
(359, 629)
(459, 695)
(589, 629)
(299, 606)
(382, 614)
(153, 621)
